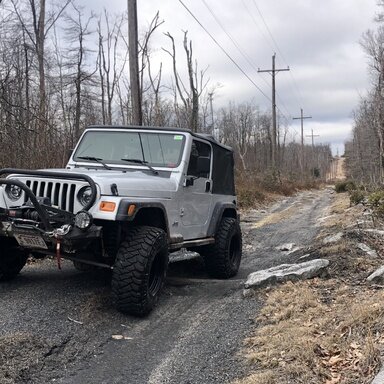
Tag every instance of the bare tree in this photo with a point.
(196, 81)
(37, 30)
(154, 80)
(108, 64)
(76, 32)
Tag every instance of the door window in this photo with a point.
(199, 149)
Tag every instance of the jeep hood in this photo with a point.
(130, 182)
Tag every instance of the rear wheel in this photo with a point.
(139, 270)
(222, 259)
(12, 261)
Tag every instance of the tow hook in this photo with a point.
(58, 255)
(58, 233)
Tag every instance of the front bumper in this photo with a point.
(38, 226)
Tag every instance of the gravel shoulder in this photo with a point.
(58, 326)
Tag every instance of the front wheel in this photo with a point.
(12, 261)
(139, 270)
(222, 259)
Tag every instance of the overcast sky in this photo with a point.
(318, 40)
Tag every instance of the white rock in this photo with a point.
(295, 250)
(286, 247)
(368, 250)
(333, 238)
(304, 257)
(374, 231)
(287, 272)
(377, 276)
(325, 218)
(183, 255)
(379, 378)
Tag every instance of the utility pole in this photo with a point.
(273, 72)
(134, 63)
(313, 136)
(313, 149)
(302, 117)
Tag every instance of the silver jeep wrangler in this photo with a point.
(128, 197)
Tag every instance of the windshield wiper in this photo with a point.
(142, 162)
(97, 159)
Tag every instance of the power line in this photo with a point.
(268, 30)
(225, 52)
(272, 47)
(257, 25)
(295, 86)
(245, 55)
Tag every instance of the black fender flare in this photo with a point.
(122, 211)
(219, 211)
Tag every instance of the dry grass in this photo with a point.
(316, 332)
(95, 305)
(322, 331)
(255, 189)
(276, 217)
(341, 214)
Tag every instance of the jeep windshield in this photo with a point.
(118, 147)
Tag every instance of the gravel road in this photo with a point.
(57, 326)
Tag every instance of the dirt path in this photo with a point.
(57, 326)
(337, 169)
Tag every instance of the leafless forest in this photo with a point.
(62, 70)
(365, 151)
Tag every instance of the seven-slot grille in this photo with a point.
(61, 193)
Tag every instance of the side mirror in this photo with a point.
(203, 165)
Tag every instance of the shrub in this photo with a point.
(247, 197)
(376, 199)
(357, 196)
(345, 186)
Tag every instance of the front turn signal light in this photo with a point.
(107, 206)
(131, 210)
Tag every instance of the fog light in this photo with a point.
(83, 220)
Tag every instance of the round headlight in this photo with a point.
(84, 195)
(14, 192)
(83, 220)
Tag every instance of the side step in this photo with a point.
(191, 243)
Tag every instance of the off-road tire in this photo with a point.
(12, 261)
(139, 270)
(222, 259)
